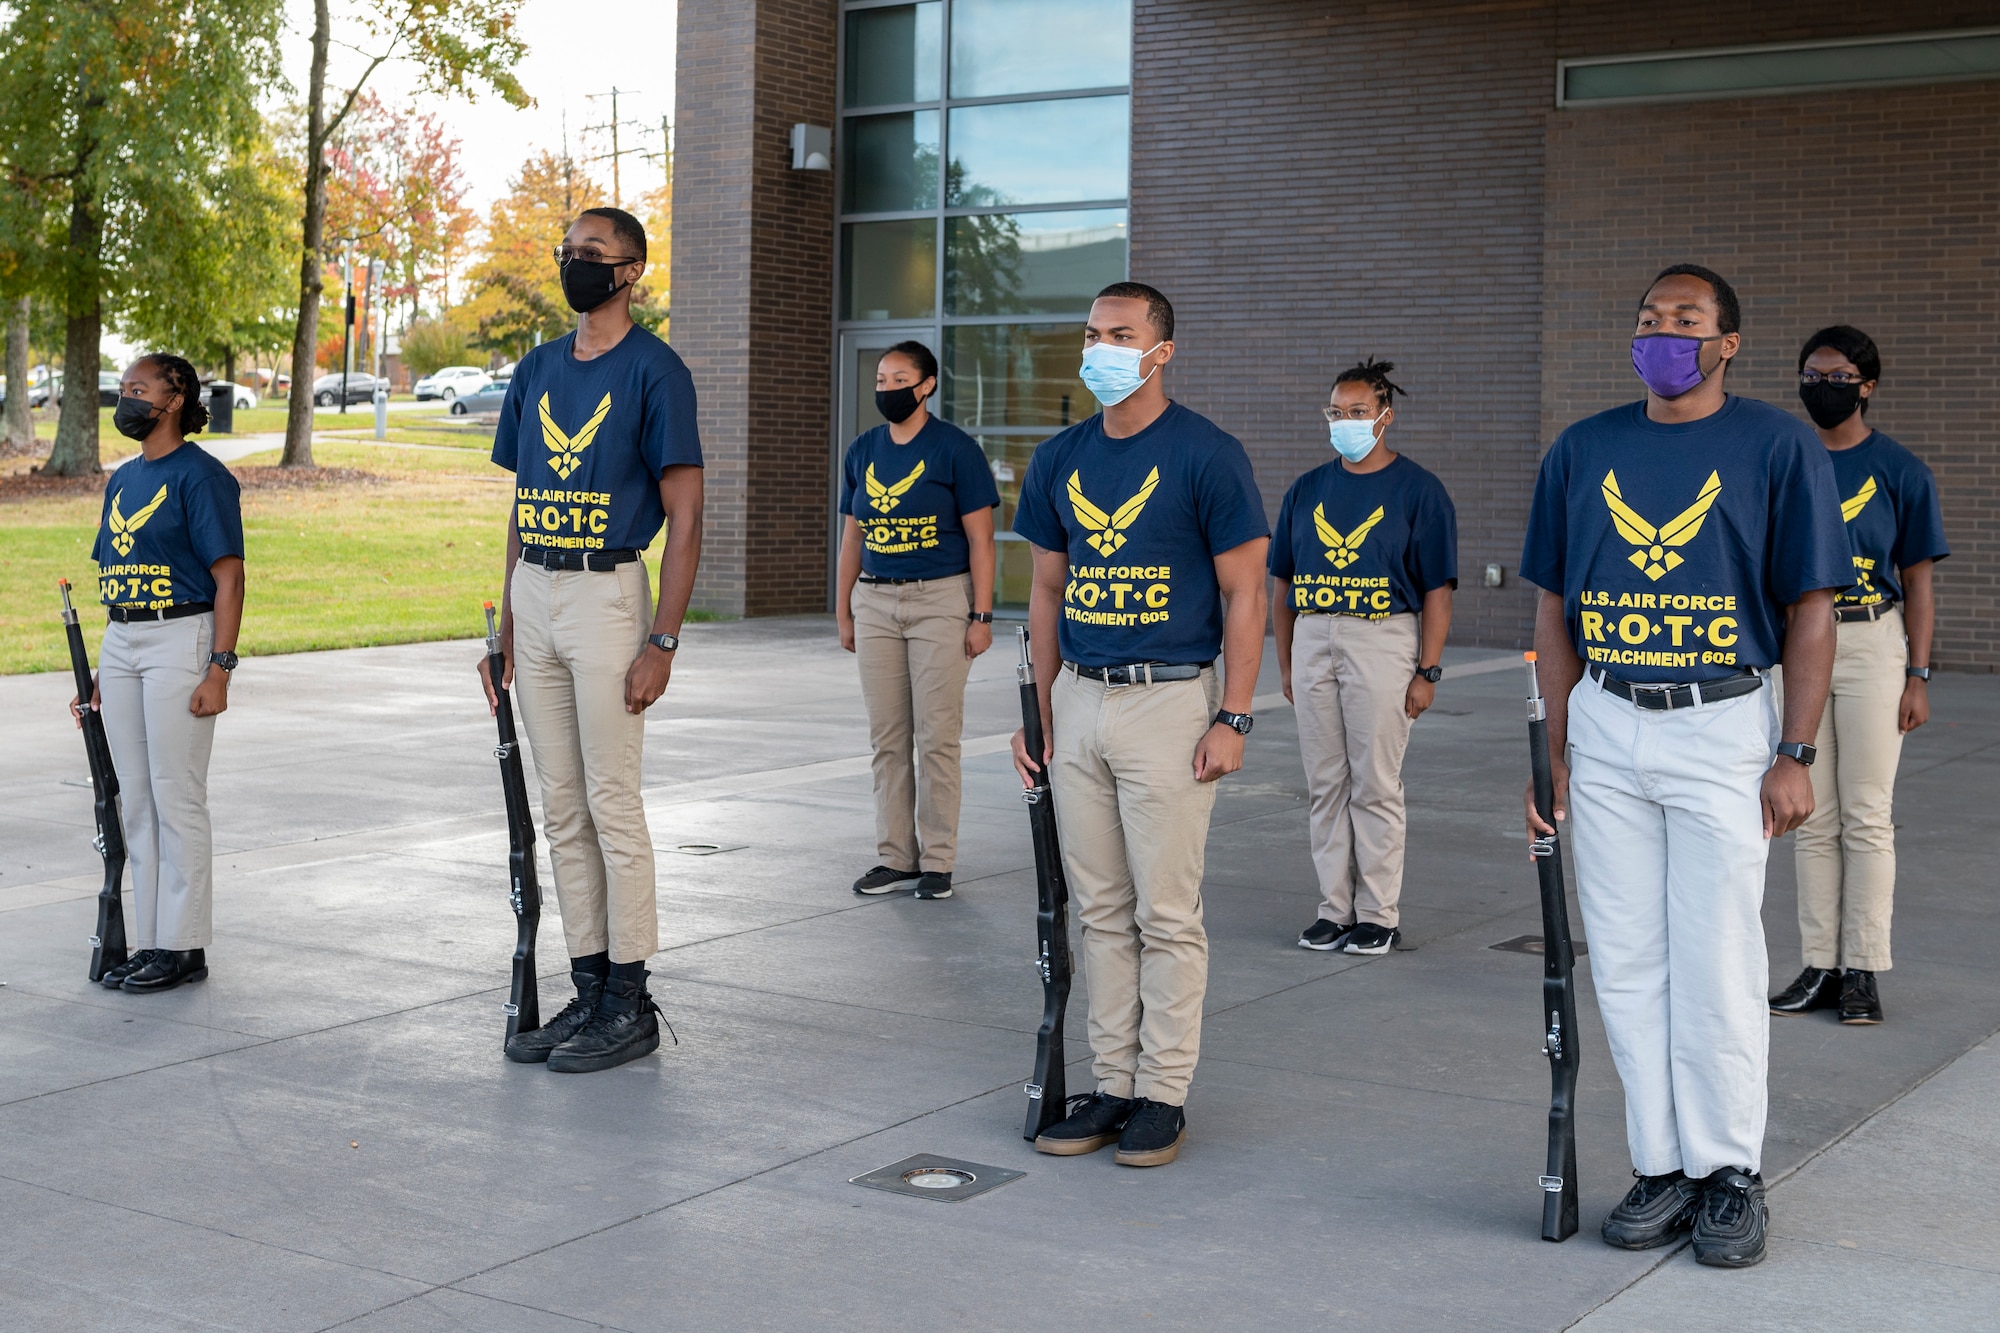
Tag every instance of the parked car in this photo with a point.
(244, 396)
(451, 382)
(487, 399)
(360, 388)
(107, 388)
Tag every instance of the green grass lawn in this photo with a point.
(268, 415)
(403, 554)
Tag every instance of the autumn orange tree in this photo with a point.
(517, 298)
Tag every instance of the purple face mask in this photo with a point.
(1669, 363)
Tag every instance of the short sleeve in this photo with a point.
(1036, 516)
(1227, 501)
(507, 434)
(97, 542)
(1807, 544)
(1434, 539)
(670, 437)
(972, 477)
(850, 470)
(215, 519)
(1279, 558)
(1919, 518)
(1545, 550)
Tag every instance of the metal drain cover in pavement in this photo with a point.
(928, 1176)
(1533, 944)
(701, 848)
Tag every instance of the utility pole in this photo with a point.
(617, 190)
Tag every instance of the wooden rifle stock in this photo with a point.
(1047, 1091)
(107, 946)
(1559, 1040)
(524, 1006)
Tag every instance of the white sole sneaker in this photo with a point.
(1347, 946)
(1329, 946)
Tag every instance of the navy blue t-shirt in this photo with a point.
(588, 440)
(1142, 520)
(1890, 502)
(1677, 547)
(165, 521)
(908, 499)
(1365, 544)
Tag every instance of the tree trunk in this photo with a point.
(20, 429)
(229, 364)
(75, 452)
(299, 410)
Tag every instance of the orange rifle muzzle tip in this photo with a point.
(1527, 657)
(489, 606)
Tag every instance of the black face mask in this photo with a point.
(897, 405)
(135, 418)
(1830, 404)
(587, 286)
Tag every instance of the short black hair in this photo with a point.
(181, 378)
(1728, 310)
(624, 226)
(1374, 374)
(920, 356)
(1851, 343)
(1159, 310)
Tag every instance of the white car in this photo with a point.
(452, 381)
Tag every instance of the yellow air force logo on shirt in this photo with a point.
(122, 527)
(1655, 555)
(1851, 509)
(1107, 532)
(885, 498)
(1344, 551)
(564, 449)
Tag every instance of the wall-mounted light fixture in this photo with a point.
(812, 148)
(1495, 576)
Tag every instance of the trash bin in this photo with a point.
(222, 409)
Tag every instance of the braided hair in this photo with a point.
(1374, 374)
(181, 379)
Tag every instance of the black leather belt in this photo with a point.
(1665, 698)
(871, 578)
(125, 615)
(1847, 615)
(1142, 673)
(598, 561)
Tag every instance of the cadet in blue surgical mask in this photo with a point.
(1363, 564)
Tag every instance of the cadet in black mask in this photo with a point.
(1846, 849)
(914, 602)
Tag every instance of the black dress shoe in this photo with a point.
(166, 969)
(1816, 988)
(1656, 1211)
(1095, 1119)
(1859, 1002)
(625, 1027)
(532, 1048)
(115, 977)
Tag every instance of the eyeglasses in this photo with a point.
(1841, 379)
(1350, 414)
(590, 254)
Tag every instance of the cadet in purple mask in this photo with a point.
(1686, 545)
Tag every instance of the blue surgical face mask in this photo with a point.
(1355, 440)
(1112, 373)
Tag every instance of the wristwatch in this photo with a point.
(1433, 674)
(1917, 673)
(1800, 751)
(980, 617)
(666, 643)
(1237, 722)
(227, 661)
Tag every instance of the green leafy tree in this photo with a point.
(432, 344)
(111, 114)
(460, 47)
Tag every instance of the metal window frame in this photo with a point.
(1564, 66)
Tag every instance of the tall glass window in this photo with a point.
(983, 177)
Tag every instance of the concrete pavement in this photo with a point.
(324, 1133)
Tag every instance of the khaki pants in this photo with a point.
(576, 633)
(909, 639)
(146, 674)
(1134, 826)
(1845, 853)
(1349, 677)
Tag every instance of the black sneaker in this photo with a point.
(1859, 1002)
(1656, 1211)
(883, 879)
(1153, 1136)
(934, 884)
(1323, 935)
(113, 978)
(1370, 938)
(1094, 1119)
(1729, 1228)
(532, 1048)
(1816, 988)
(166, 969)
(625, 1027)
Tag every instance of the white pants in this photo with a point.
(1666, 824)
(146, 674)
